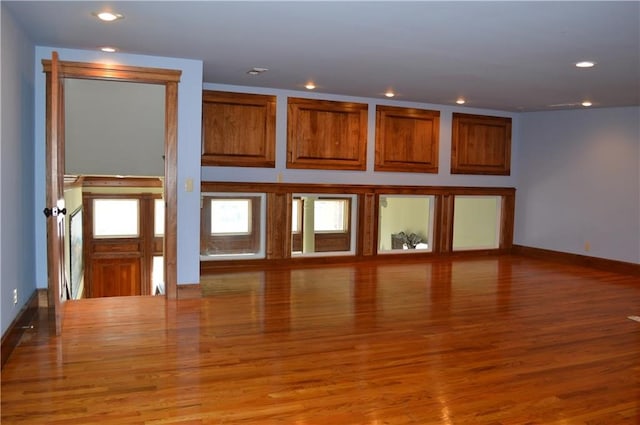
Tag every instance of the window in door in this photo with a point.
(322, 224)
(116, 218)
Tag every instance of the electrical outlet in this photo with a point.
(15, 296)
(587, 246)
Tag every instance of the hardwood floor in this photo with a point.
(496, 340)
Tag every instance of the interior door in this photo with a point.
(55, 172)
(121, 244)
(55, 210)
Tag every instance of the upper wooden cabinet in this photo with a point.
(480, 145)
(326, 135)
(407, 139)
(238, 129)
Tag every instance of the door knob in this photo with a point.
(55, 211)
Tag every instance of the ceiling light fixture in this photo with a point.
(108, 49)
(310, 85)
(585, 64)
(390, 93)
(257, 70)
(461, 101)
(108, 16)
(586, 103)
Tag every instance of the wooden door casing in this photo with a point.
(170, 79)
(57, 282)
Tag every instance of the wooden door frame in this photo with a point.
(170, 79)
(54, 189)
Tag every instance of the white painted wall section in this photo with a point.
(579, 182)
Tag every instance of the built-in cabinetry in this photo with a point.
(480, 145)
(326, 135)
(407, 139)
(238, 129)
(363, 227)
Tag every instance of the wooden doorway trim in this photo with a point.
(56, 281)
(170, 79)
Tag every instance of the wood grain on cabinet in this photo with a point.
(278, 225)
(480, 145)
(238, 129)
(407, 139)
(325, 134)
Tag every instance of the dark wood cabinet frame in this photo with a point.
(480, 145)
(407, 139)
(238, 129)
(326, 241)
(278, 221)
(326, 135)
(211, 244)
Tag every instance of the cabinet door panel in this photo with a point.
(326, 135)
(407, 139)
(238, 129)
(480, 145)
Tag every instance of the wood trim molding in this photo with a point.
(508, 209)
(73, 181)
(109, 181)
(577, 260)
(14, 332)
(210, 186)
(102, 71)
(367, 231)
(443, 235)
(189, 291)
(171, 190)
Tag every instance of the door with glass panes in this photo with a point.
(123, 253)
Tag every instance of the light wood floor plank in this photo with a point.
(494, 340)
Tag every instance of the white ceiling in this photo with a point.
(512, 56)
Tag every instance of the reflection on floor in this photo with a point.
(496, 340)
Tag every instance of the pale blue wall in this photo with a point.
(16, 170)
(189, 137)
(443, 178)
(579, 181)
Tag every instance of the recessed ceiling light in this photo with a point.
(310, 85)
(585, 64)
(461, 101)
(586, 103)
(389, 93)
(108, 16)
(257, 70)
(108, 49)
